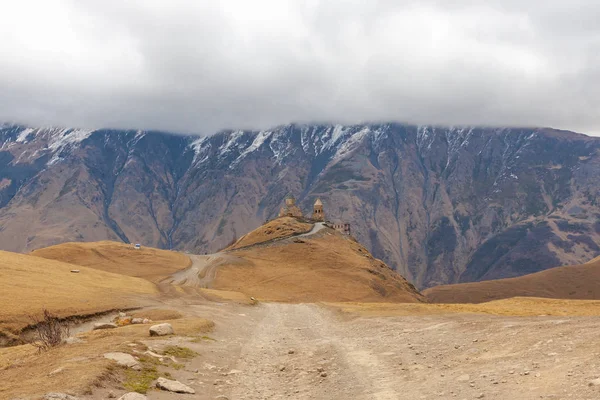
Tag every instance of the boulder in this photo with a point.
(124, 359)
(137, 321)
(133, 396)
(173, 386)
(104, 325)
(161, 330)
(146, 321)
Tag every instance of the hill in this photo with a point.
(580, 282)
(272, 230)
(30, 284)
(148, 263)
(318, 265)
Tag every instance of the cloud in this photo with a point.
(200, 66)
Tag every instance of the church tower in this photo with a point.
(318, 214)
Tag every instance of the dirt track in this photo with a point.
(305, 351)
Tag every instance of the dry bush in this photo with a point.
(49, 331)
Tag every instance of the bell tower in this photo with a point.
(318, 214)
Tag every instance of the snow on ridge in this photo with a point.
(22, 138)
(61, 138)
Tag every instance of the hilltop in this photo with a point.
(580, 282)
(291, 260)
(148, 263)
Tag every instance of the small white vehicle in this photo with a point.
(137, 246)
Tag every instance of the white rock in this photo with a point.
(104, 325)
(173, 386)
(146, 321)
(137, 321)
(124, 359)
(133, 396)
(161, 330)
(122, 315)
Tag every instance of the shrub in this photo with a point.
(49, 331)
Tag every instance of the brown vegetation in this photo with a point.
(326, 266)
(77, 367)
(572, 282)
(518, 306)
(276, 229)
(31, 283)
(148, 263)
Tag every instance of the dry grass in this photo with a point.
(575, 282)
(25, 372)
(519, 306)
(148, 263)
(326, 267)
(30, 284)
(276, 229)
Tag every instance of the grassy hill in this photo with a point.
(580, 282)
(148, 263)
(30, 284)
(326, 266)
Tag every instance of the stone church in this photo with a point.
(290, 209)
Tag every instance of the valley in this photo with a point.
(267, 318)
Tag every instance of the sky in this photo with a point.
(196, 66)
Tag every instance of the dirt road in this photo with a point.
(305, 351)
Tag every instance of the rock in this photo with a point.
(291, 351)
(133, 396)
(59, 396)
(75, 271)
(111, 395)
(173, 386)
(323, 374)
(480, 396)
(146, 321)
(137, 321)
(104, 325)
(73, 340)
(282, 368)
(56, 371)
(594, 382)
(124, 359)
(122, 315)
(161, 330)
(463, 378)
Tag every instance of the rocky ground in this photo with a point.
(307, 351)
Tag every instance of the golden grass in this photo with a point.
(30, 284)
(327, 267)
(25, 372)
(580, 282)
(518, 306)
(276, 229)
(148, 263)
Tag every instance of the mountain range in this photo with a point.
(438, 204)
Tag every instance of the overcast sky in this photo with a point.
(200, 66)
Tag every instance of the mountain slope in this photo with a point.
(573, 282)
(440, 205)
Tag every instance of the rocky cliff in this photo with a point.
(439, 204)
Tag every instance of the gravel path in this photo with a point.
(305, 351)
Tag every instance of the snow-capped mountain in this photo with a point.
(439, 204)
